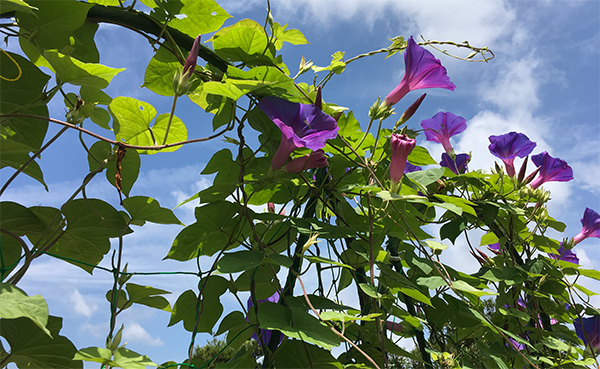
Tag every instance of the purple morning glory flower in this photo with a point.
(564, 255)
(591, 226)
(508, 146)
(458, 165)
(301, 125)
(265, 334)
(421, 70)
(551, 169)
(591, 327)
(402, 146)
(442, 126)
(409, 168)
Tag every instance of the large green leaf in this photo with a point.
(293, 36)
(18, 219)
(24, 96)
(14, 303)
(426, 177)
(75, 72)
(54, 23)
(11, 253)
(160, 71)
(146, 295)
(13, 5)
(239, 261)
(245, 41)
(420, 156)
(187, 310)
(123, 358)
(297, 354)
(90, 224)
(14, 154)
(201, 17)
(296, 323)
(31, 347)
(146, 209)
(132, 119)
(208, 234)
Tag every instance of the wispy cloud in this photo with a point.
(81, 305)
(133, 332)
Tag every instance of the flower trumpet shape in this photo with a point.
(316, 159)
(301, 125)
(565, 255)
(591, 226)
(457, 165)
(421, 70)
(508, 146)
(551, 169)
(588, 330)
(402, 146)
(442, 126)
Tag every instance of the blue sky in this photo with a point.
(544, 82)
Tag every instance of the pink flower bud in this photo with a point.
(402, 146)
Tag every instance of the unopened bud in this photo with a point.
(319, 99)
(531, 176)
(408, 113)
(523, 170)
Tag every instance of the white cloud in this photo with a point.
(133, 332)
(94, 330)
(81, 305)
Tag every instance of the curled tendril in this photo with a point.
(16, 64)
(486, 54)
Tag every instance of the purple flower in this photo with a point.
(551, 169)
(421, 70)
(458, 165)
(591, 226)
(301, 125)
(402, 146)
(591, 327)
(265, 334)
(564, 255)
(316, 159)
(443, 126)
(508, 146)
(409, 168)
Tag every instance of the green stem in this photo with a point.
(365, 135)
(170, 119)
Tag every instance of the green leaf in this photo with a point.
(320, 259)
(201, 17)
(239, 261)
(465, 287)
(16, 5)
(130, 169)
(464, 204)
(296, 323)
(233, 88)
(99, 151)
(208, 234)
(146, 209)
(31, 347)
(337, 64)
(293, 36)
(18, 219)
(75, 72)
(590, 273)
(426, 177)
(434, 245)
(24, 96)
(488, 239)
(160, 71)
(343, 317)
(132, 120)
(184, 310)
(82, 46)
(14, 154)
(297, 354)
(127, 359)
(11, 252)
(54, 23)
(432, 282)
(14, 303)
(390, 196)
(146, 295)
(97, 355)
(90, 224)
(420, 156)
(416, 295)
(245, 41)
